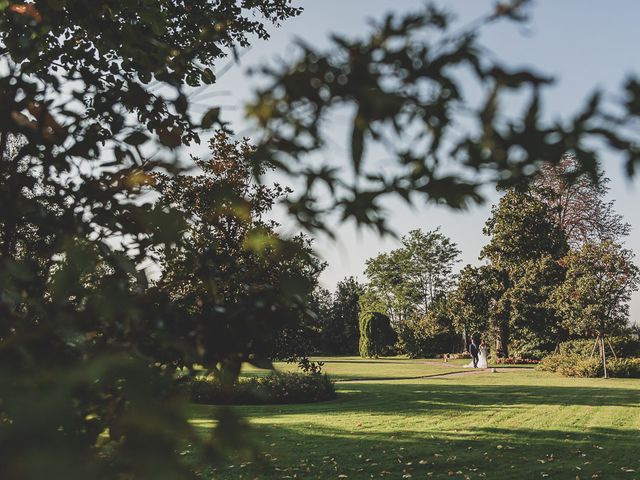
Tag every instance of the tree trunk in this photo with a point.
(502, 342)
(464, 339)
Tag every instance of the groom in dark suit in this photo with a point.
(473, 350)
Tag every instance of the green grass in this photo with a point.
(463, 361)
(355, 368)
(498, 426)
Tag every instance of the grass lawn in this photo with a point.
(498, 426)
(463, 361)
(356, 368)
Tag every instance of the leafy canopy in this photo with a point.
(401, 89)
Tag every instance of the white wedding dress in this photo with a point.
(482, 359)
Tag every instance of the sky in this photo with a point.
(583, 44)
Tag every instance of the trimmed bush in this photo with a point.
(376, 335)
(572, 365)
(275, 388)
(584, 367)
(624, 367)
(624, 346)
(581, 366)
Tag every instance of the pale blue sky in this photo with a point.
(582, 43)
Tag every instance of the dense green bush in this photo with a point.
(624, 346)
(530, 350)
(377, 337)
(624, 367)
(270, 389)
(573, 365)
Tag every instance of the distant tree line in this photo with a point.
(554, 270)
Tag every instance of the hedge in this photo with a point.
(275, 388)
(624, 346)
(580, 366)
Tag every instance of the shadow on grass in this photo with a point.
(372, 361)
(442, 393)
(445, 397)
(495, 453)
(344, 437)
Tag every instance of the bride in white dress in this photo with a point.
(483, 354)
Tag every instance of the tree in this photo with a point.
(341, 330)
(431, 257)
(409, 279)
(388, 287)
(474, 302)
(594, 298)
(83, 86)
(432, 334)
(535, 322)
(320, 305)
(376, 335)
(575, 200)
(524, 239)
(521, 229)
(230, 253)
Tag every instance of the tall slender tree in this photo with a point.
(341, 330)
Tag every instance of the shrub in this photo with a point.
(516, 361)
(572, 365)
(624, 367)
(624, 346)
(275, 388)
(580, 366)
(550, 363)
(376, 335)
(456, 356)
(584, 367)
(530, 347)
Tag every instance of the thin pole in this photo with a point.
(604, 357)
(612, 350)
(593, 350)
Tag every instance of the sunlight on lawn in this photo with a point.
(354, 368)
(504, 425)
